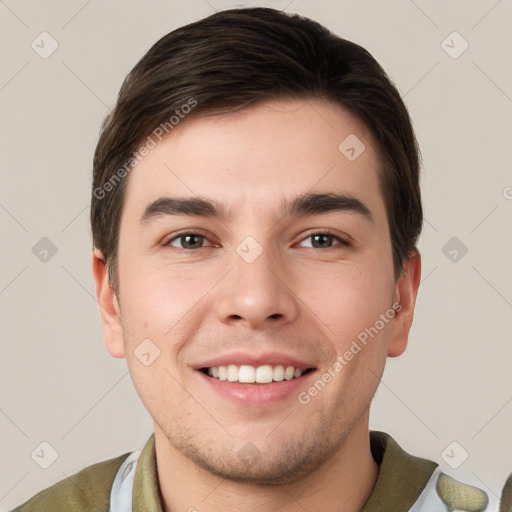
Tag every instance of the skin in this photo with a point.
(304, 300)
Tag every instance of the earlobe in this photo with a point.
(109, 307)
(406, 291)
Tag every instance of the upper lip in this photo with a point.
(240, 358)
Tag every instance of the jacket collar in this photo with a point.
(401, 480)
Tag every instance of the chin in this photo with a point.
(281, 462)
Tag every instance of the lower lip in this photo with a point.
(258, 394)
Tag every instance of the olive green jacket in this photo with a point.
(405, 484)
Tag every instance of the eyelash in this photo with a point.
(328, 232)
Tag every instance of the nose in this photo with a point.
(257, 292)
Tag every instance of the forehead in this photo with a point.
(258, 157)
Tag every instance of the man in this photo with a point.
(255, 214)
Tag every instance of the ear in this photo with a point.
(406, 290)
(109, 307)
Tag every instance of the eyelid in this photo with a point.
(185, 232)
(345, 240)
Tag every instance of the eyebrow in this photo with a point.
(305, 204)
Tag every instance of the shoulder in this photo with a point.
(460, 496)
(88, 490)
(417, 484)
(506, 496)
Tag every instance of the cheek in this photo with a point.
(347, 299)
(159, 301)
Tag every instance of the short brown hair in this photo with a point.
(238, 57)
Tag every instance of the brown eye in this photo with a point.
(188, 241)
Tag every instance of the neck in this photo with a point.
(344, 482)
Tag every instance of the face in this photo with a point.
(256, 327)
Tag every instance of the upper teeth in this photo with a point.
(250, 374)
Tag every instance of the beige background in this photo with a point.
(58, 383)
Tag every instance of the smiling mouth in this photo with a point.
(246, 374)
